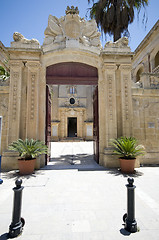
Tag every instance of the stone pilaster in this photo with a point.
(62, 125)
(126, 100)
(102, 95)
(32, 99)
(80, 124)
(111, 112)
(14, 100)
(42, 104)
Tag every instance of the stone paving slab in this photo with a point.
(69, 204)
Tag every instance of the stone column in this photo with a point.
(32, 99)
(14, 100)
(126, 100)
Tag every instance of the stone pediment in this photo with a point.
(71, 31)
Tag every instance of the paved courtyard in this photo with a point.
(75, 199)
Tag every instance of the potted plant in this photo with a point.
(28, 151)
(128, 149)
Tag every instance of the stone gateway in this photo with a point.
(72, 87)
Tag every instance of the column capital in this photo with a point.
(33, 64)
(125, 67)
(16, 63)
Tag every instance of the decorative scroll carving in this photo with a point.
(154, 82)
(14, 108)
(110, 97)
(4, 103)
(33, 64)
(125, 67)
(72, 27)
(15, 63)
(32, 105)
(126, 96)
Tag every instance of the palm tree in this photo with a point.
(114, 16)
(4, 75)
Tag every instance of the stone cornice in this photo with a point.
(148, 36)
(29, 50)
(108, 53)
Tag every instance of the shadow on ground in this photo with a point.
(4, 236)
(81, 162)
(124, 232)
(117, 172)
(14, 174)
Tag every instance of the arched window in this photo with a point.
(157, 60)
(138, 74)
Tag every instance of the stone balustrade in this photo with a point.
(149, 80)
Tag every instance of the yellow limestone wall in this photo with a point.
(124, 110)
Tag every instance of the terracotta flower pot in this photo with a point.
(26, 166)
(127, 165)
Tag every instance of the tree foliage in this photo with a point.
(4, 75)
(114, 16)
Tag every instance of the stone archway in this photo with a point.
(71, 73)
(74, 73)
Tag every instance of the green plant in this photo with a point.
(28, 149)
(114, 16)
(4, 75)
(127, 147)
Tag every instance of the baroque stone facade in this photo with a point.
(128, 88)
(72, 112)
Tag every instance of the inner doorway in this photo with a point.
(72, 127)
(74, 73)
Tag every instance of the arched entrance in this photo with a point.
(73, 73)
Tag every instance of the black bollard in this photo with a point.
(17, 223)
(129, 217)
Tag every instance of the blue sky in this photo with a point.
(30, 17)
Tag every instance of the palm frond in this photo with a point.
(127, 147)
(113, 17)
(29, 149)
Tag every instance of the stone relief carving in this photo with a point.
(15, 95)
(126, 97)
(72, 27)
(121, 44)
(5, 82)
(4, 98)
(110, 96)
(21, 42)
(18, 37)
(32, 105)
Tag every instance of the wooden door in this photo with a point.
(96, 125)
(48, 121)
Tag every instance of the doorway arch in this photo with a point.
(71, 73)
(74, 73)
